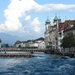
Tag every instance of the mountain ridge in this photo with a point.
(8, 38)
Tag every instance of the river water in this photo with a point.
(40, 65)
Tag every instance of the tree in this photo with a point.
(47, 46)
(19, 46)
(6, 45)
(64, 42)
(74, 41)
(1, 46)
(68, 41)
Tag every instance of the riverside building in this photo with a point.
(55, 33)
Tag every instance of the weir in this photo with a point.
(16, 55)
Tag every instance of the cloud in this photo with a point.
(15, 10)
(20, 8)
(28, 17)
(36, 25)
(56, 7)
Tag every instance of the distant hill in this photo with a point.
(10, 39)
(7, 38)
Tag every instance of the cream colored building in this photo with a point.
(51, 32)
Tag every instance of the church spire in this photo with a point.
(47, 21)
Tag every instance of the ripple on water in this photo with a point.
(44, 65)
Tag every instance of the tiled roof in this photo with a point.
(28, 41)
(66, 23)
(73, 28)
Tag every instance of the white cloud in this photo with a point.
(71, 10)
(36, 25)
(15, 10)
(56, 7)
(28, 17)
(19, 8)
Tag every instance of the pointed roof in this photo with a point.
(47, 21)
(55, 18)
(59, 19)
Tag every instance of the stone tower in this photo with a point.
(47, 28)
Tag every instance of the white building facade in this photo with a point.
(38, 43)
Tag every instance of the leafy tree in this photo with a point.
(1, 46)
(47, 46)
(19, 46)
(74, 41)
(68, 41)
(6, 45)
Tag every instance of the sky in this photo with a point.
(26, 18)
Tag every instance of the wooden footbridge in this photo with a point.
(17, 52)
(24, 50)
(13, 52)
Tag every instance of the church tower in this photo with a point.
(47, 29)
(47, 24)
(56, 19)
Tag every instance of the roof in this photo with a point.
(61, 27)
(73, 28)
(67, 25)
(41, 38)
(47, 21)
(59, 19)
(29, 41)
(69, 22)
(56, 18)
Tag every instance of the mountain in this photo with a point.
(10, 39)
(7, 38)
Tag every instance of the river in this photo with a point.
(42, 64)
